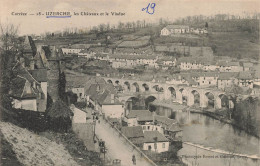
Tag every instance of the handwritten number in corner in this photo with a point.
(150, 8)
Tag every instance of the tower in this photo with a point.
(53, 74)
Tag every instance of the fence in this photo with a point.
(142, 154)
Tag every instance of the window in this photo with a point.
(144, 127)
(163, 145)
(209, 82)
(148, 127)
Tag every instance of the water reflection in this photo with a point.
(206, 131)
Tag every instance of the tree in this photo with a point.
(49, 101)
(138, 23)
(245, 114)
(9, 35)
(206, 25)
(71, 97)
(62, 86)
(9, 45)
(133, 25)
(128, 25)
(101, 27)
(108, 27)
(120, 25)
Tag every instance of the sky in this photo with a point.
(171, 9)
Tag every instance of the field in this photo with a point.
(234, 44)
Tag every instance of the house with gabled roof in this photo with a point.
(23, 94)
(26, 91)
(245, 79)
(155, 141)
(207, 78)
(227, 80)
(247, 66)
(134, 134)
(170, 127)
(86, 53)
(103, 97)
(174, 29)
(75, 48)
(139, 117)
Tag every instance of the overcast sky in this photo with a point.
(170, 9)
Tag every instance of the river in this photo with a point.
(208, 140)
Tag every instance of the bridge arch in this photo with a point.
(224, 101)
(194, 98)
(135, 87)
(127, 86)
(109, 81)
(172, 92)
(117, 82)
(210, 99)
(132, 103)
(184, 95)
(155, 88)
(161, 89)
(148, 100)
(145, 87)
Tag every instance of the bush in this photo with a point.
(32, 120)
(81, 105)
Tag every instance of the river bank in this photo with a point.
(203, 129)
(210, 112)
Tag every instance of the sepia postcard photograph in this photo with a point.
(129, 83)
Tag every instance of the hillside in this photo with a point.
(234, 44)
(238, 38)
(31, 149)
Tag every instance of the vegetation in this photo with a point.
(71, 98)
(62, 86)
(7, 154)
(246, 115)
(75, 147)
(59, 116)
(81, 105)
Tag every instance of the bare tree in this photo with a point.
(8, 34)
(120, 25)
(101, 27)
(108, 27)
(9, 49)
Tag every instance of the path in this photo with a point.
(117, 147)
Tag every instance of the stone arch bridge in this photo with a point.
(203, 97)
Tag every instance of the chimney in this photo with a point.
(32, 63)
(53, 51)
